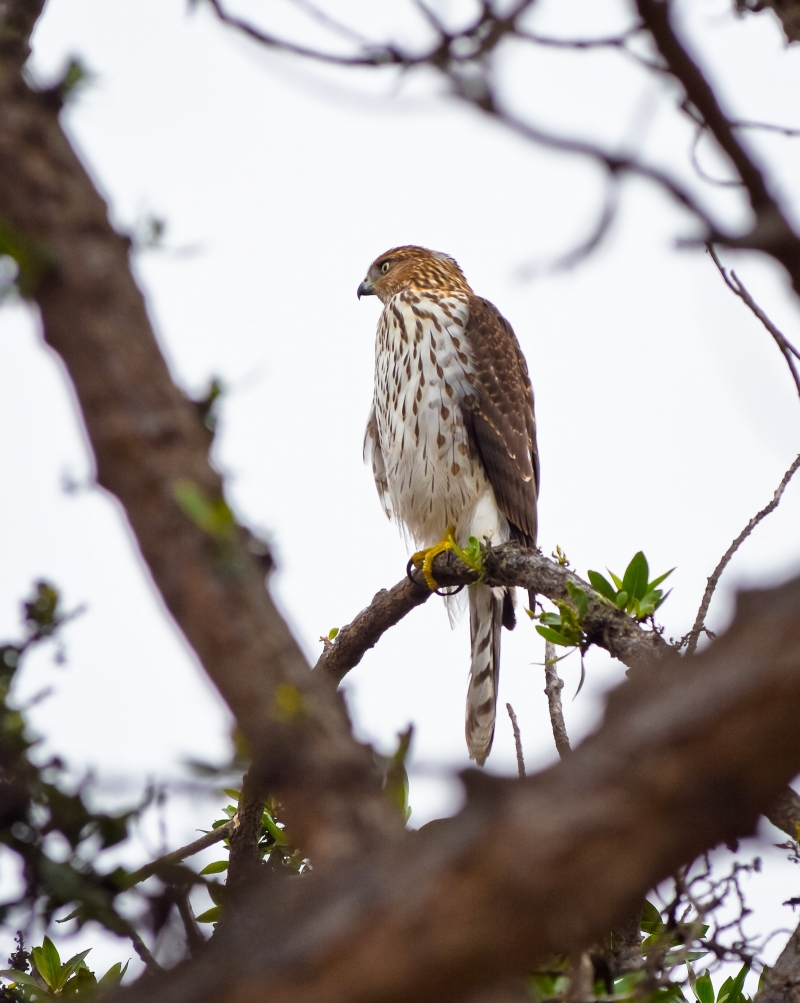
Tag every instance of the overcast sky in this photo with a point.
(666, 415)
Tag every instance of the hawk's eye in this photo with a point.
(385, 267)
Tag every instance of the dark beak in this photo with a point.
(365, 289)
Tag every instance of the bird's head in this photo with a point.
(414, 268)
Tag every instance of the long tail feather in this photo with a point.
(485, 619)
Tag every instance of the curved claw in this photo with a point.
(425, 558)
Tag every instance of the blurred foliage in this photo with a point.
(41, 975)
(274, 847)
(36, 805)
(33, 261)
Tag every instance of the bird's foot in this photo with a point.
(471, 556)
(425, 558)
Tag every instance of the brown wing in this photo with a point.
(500, 417)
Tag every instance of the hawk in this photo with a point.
(451, 437)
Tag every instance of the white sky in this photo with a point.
(666, 415)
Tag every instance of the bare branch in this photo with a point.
(610, 42)
(517, 740)
(700, 619)
(786, 347)
(552, 689)
(176, 856)
(353, 641)
(772, 231)
(195, 940)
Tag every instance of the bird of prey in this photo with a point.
(451, 438)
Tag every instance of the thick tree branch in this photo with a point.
(782, 983)
(689, 753)
(151, 453)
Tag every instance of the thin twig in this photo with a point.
(699, 623)
(734, 283)
(176, 856)
(517, 740)
(195, 940)
(144, 952)
(552, 688)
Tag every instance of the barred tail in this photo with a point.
(485, 619)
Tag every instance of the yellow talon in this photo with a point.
(426, 557)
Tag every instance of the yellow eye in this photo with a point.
(385, 267)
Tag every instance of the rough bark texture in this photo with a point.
(782, 984)
(147, 438)
(689, 753)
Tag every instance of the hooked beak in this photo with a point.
(365, 289)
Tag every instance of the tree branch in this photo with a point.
(787, 349)
(507, 565)
(552, 689)
(176, 856)
(772, 231)
(782, 982)
(713, 581)
(151, 453)
(517, 740)
(245, 860)
(688, 754)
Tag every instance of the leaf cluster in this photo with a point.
(564, 627)
(49, 978)
(632, 593)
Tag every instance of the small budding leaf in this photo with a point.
(217, 867)
(332, 633)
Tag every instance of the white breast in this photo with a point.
(423, 372)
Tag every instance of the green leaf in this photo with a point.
(232, 793)
(580, 599)
(217, 867)
(602, 585)
(212, 916)
(703, 988)
(113, 977)
(71, 966)
(614, 579)
(622, 600)
(48, 963)
(737, 984)
(332, 633)
(277, 834)
(635, 580)
(657, 581)
(650, 921)
(20, 977)
(549, 634)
